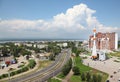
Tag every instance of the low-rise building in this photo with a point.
(29, 45)
(62, 44)
(17, 44)
(41, 45)
(43, 56)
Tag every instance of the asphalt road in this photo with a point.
(48, 72)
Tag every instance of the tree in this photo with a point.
(74, 49)
(37, 50)
(94, 78)
(83, 76)
(65, 70)
(67, 67)
(76, 70)
(4, 51)
(77, 53)
(31, 64)
(25, 52)
(99, 78)
(88, 76)
(118, 44)
(52, 57)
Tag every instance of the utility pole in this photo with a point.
(9, 76)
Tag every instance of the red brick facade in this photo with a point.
(103, 41)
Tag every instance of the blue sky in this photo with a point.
(43, 18)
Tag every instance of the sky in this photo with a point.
(57, 19)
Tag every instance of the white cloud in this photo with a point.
(77, 20)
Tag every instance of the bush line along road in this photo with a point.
(48, 72)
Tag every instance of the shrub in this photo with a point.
(12, 73)
(24, 69)
(18, 71)
(4, 75)
(1, 77)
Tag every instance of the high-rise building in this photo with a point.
(104, 41)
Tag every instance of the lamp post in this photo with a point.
(9, 76)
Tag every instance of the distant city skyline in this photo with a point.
(59, 19)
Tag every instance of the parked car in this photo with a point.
(119, 80)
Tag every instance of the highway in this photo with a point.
(48, 72)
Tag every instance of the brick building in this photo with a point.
(104, 41)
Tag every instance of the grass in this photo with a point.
(89, 54)
(61, 76)
(104, 75)
(43, 64)
(118, 58)
(53, 80)
(84, 68)
(75, 78)
(78, 63)
(116, 61)
(117, 54)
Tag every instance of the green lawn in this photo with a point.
(117, 54)
(43, 64)
(84, 68)
(75, 78)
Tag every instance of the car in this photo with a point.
(119, 80)
(107, 81)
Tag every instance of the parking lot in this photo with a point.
(13, 66)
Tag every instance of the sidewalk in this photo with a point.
(107, 66)
(67, 78)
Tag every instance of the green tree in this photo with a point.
(67, 67)
(83, 76)
(25, 52)
(94, 78)
(37, 50)
(88, 77)
(118, 44)
(66, 70)
(31, 64)
(4, 51)
(76, 70)
(99, 78)
(74, 49)
(52, 57)
(77, 53)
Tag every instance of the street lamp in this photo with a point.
(9, 76)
